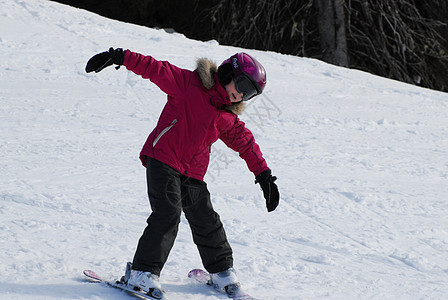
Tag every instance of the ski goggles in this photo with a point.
(244, 85)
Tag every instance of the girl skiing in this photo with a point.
(202, 107)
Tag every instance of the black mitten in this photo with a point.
(270, 189)
(102, 60)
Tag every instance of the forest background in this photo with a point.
(406, 40)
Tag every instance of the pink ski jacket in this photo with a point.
(195, 116)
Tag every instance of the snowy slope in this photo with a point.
(362, 163)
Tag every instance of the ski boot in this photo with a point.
(144, 282)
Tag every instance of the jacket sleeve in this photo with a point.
(170, 79)
(236, 136)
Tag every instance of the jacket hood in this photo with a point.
(206, 70)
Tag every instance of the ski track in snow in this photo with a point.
(361, 161)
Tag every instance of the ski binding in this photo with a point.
(233, 291)
(119, 284)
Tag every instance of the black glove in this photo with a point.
(102, 60)
(270, 190)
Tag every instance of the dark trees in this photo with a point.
(332, 29)
(401, 39)
(405, 40)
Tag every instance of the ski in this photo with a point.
(234, 292)
(157, 295)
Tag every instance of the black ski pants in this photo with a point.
(169, 193)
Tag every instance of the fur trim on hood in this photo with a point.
(206, 69)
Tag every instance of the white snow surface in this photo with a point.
(361, 161)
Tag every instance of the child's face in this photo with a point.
(233, 93)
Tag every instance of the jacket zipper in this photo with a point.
(163, 132)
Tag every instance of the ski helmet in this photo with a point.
(249, 75)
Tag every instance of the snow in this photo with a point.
(361, 161)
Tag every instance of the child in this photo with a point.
(202, 107)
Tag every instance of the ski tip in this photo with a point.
(91, 274)
(195, 272)
(88, 272)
